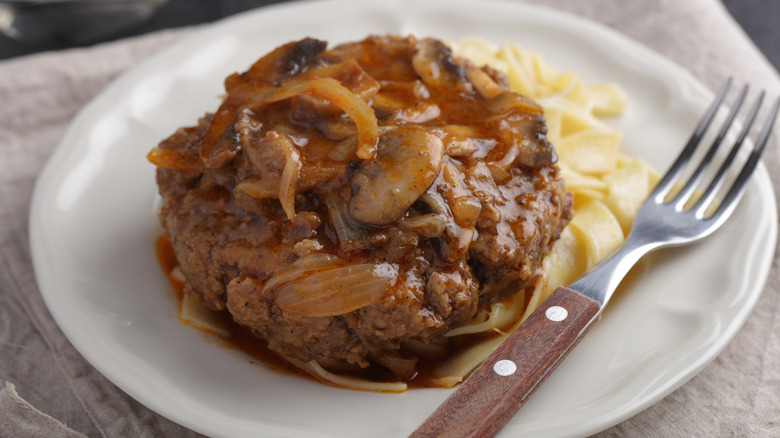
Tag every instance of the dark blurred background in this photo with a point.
(759, 18)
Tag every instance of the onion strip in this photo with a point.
(301, 267)
(349, 233)
(314, 368)
(428, 225)
(174, 160)
(259, 188)
(457, 367)
(240, 92)
(211, 155)
(498, 319)
(289, 180)
(336, 291)
(328, 88)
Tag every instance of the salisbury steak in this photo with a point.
(342, 201)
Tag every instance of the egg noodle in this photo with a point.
(608, 187)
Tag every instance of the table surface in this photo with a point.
(757, 17)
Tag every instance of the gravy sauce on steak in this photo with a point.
(342, 202)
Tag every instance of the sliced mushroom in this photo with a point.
(287, 60)
(407, 162)
(433, 63)
(217, 149)
(523, 130)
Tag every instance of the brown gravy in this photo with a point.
(242, 339)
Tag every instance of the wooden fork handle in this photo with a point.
(488, 399)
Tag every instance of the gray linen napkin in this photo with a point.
(737, 395)
(20, 419)
(39, 95)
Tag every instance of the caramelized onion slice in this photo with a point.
(505, 102)
(349, 233)
(214, 152)
(301, 267)
(429, 225)
(484, 84)
(328, 88)
(346, 381)
(455, 240)
(270, 185)
(336, 291)
(403, 367)
(273, 153)
(465, 207)
(174, 160)
(259, 188)
(348, 73)
(289, 180)
(349, 98)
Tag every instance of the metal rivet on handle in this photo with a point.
(556, 313)
(504, 367)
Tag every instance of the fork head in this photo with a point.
(671, 216)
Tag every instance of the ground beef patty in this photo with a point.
(342, 201)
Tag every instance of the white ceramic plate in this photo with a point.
(93, 224)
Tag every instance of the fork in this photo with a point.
(488, 399)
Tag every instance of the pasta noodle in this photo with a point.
(194, 313)
(608, 188)
(316, 370)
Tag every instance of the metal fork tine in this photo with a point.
(685, 193)
(666, 183)
(735, 192)
(709, 194)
